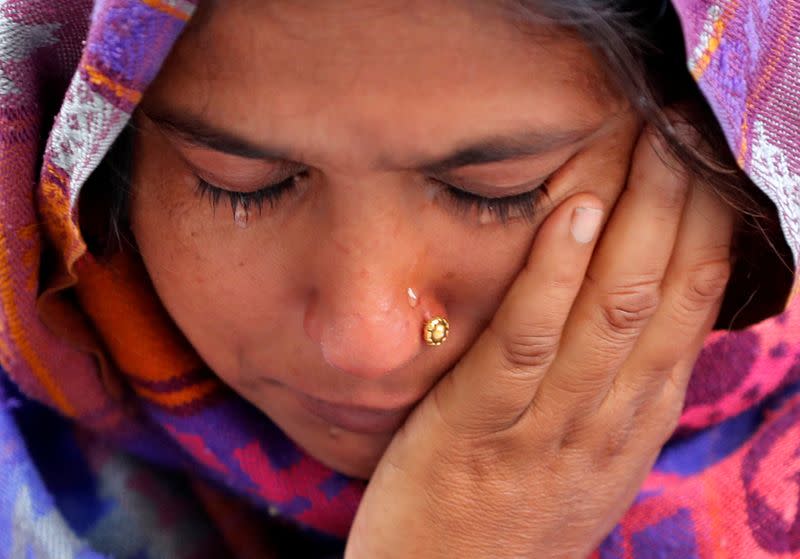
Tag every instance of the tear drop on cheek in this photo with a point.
(413, 300)
(334, 432)
(241, 217)
(431, 192)
(485, 217)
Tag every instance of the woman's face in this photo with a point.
(400, 122)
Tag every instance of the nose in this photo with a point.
(366, 342)
(359, 311)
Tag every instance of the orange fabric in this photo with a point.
(139, 335)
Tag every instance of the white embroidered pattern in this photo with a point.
(17, 41)
(41, 536)
(703, 43)
(134, 528)
(84, 130)
(772, 171)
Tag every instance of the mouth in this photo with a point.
(357, 419)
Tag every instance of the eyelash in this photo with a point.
(270, 194)
(523, 205)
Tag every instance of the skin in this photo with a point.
(311, 297)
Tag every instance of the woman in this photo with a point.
(362, 241)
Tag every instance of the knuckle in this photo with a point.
(627, 308)
(673, 393)
(661, 415)
(664, 424)
(549, 430)
(670, 421)
(573, 435)
(705, 284)
(679, 129)
(673, 195)
(615, 442)
(602, 441)
(526, 348)
(565, 280)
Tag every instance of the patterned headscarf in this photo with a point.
(166, 461)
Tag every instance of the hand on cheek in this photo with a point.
(555, 416)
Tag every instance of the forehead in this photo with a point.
(377, 72)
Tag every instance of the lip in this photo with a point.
(357, 419)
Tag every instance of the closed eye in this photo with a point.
(503, 209)
(463, 202)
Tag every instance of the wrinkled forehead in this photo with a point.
(371, 65)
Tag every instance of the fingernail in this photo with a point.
(585, 223)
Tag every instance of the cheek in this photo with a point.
(477, 274)
(219, 286)
(161, 216)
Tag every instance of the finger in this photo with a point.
(623, 284)
(495, 381)
(692, 293)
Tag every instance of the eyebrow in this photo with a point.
(195, 131)
(507, 148)
(495, 149)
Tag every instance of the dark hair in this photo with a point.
(639, 43)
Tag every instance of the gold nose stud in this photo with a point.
(435, 331)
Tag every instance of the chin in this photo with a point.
(347, 452)
(363, 470)
(352, 455)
